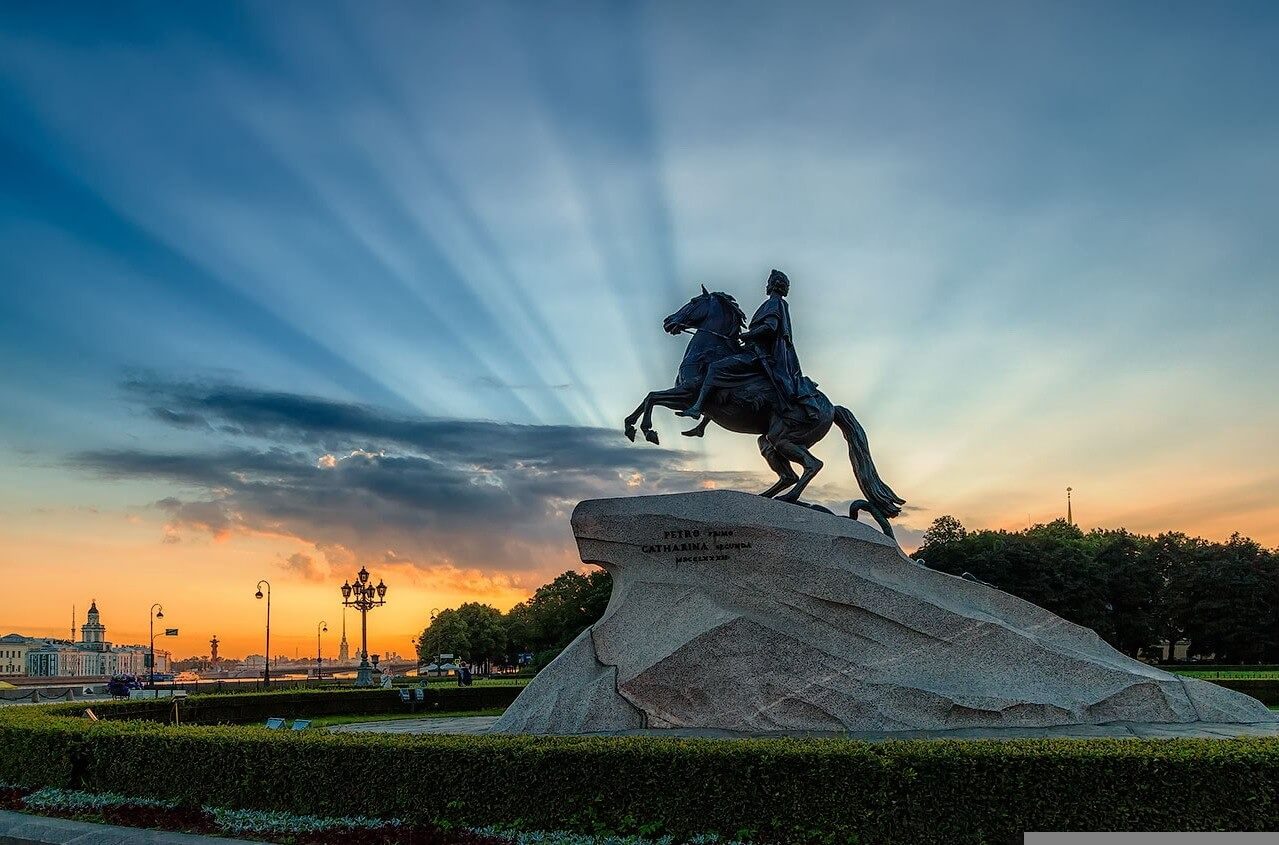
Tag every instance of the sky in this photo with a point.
(290, 288)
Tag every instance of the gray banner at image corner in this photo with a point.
(1208, 838)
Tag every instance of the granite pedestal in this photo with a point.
(735, 613)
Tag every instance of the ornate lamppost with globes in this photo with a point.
(363, 596)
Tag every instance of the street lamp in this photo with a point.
(435, 642)
(157, 612)
(363, 596)
(266, 676)
(319, 655)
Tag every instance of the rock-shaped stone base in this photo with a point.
(738, 613)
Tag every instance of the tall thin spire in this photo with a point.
(1070, 516)
(73, 623)
(344, 650)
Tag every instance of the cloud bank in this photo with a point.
(360, 482)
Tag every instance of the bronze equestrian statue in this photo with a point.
(751, 382)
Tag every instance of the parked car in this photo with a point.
(119, 685)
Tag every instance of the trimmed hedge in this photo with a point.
(785, 790)
(1264, 690)
(1217, 667)
(251, 707)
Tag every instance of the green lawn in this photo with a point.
(1230, 674)
(330, 721)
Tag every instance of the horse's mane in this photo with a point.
(739, 316)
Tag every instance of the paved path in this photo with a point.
(430, 725)
(22, 829)
(1122, 730)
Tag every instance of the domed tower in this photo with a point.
(93, 633)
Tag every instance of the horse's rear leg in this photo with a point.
(792, 451)
(785, 473)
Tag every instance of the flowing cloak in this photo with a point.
(775, 313)
(774, 350)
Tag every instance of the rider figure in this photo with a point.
(768, 348)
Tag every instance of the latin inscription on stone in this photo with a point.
(696, 545)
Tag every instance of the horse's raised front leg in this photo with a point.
(629, 430)
(676, 397)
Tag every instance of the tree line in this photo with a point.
(541, 626)
(1134, 590)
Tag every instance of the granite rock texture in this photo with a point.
(738, 613)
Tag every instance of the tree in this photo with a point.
(945, 529)
(549, 620)
(485, 632)
(1227, 600)
(559, 611)
(1133, 590)
(447, 634)
(1133, 584)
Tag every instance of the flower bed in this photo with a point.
(285, 828)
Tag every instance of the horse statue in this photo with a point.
(753, 407)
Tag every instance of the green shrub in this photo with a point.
(1264, 690)
(253, 707)
(1180, 668)
(941, 791)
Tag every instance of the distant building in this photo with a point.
(13, 653)
(92, 656)
(54, 658)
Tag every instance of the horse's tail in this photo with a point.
(879, 496)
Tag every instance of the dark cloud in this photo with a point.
(306, 566)
(341, 426)
(361, 483)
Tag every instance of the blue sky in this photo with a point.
(1031, 245)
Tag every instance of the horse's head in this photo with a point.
(716, 312)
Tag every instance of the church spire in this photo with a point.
(344, 650)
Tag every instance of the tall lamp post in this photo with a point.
(319, 654)
(266, 677)
(157, 612)
(435, 642)
(363, 596)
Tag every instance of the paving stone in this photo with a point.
(24, 829)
